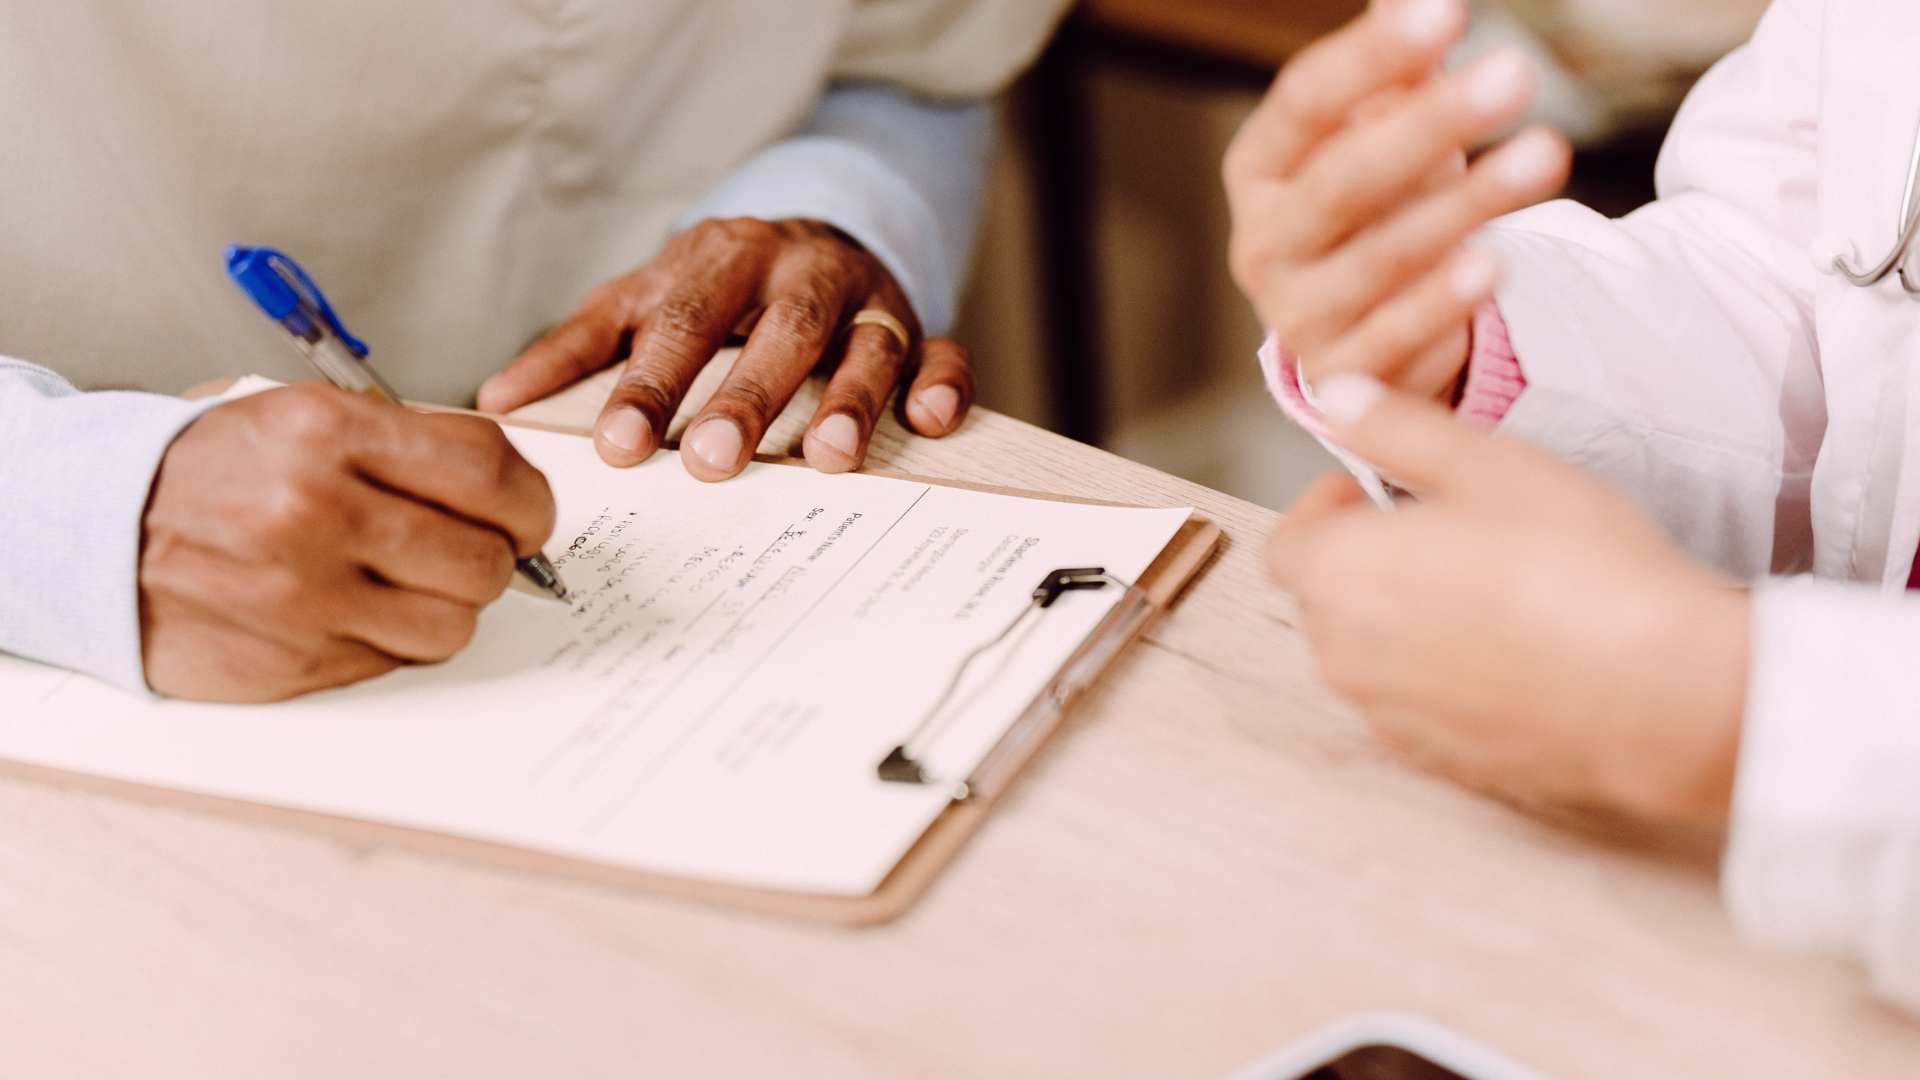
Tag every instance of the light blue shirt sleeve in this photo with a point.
(75, 472)
(901, 175)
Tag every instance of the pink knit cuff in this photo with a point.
(1494, 378)
(1283, 382)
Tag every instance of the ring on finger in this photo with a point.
(877, 317)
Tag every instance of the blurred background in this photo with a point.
(1100, 305)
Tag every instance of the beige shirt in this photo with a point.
(456, 173)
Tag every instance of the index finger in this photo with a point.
(590, 339)
(462, 465)
(1394, 42)
(679, 338)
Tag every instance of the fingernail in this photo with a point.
(840, 433)
(1531, 159)
(626, 428)
(941, 402)
(1348, 397)
(1474, 275)
(1425, 22)
(1500, 82)
(716, 442)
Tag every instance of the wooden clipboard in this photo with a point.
(1162, 583)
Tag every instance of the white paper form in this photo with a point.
(737, 660)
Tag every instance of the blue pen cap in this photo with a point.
(285, 292)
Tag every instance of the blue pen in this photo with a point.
(290, 298)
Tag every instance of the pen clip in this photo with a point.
(280, 287)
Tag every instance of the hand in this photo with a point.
(1351, 196)
(791, 286)
(306, 537)
(1523, 627)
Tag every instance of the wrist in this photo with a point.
(1687, 727)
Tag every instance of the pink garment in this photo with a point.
(1494, 379)
(1494, 382)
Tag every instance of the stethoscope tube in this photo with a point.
(1869, 278)
(1897, 258)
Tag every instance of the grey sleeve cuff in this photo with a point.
(75, 473)
(901, 175)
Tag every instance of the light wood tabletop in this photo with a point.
(1209, 860)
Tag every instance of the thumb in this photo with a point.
(1417, 444)
(1303, 531)
(1329, 493)
(582, 345)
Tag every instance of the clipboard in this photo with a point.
(1156, 590)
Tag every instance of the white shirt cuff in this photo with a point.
(75, 473)
(1824, 848)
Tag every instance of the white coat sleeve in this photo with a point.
(1672, 351)
(1824, 847)
(75, 471)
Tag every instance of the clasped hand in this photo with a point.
(1523, 628)
(1351, 195)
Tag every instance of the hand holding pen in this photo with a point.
(313, 536)
(290, 298)
(307, 537)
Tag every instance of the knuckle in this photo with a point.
(483, 564)
(806, 317)
(1393, 261)
(862, 398)
(496, 458)
(643, 388)
(483, 450)
(344, 671)
(741, 232)
(684, 322)
(751, 397)
(1302, 100)
(449, 632)
(287, 589)
(1331, 190)
(310, 414)
(404, 530)
(949, 351)
(289, 512)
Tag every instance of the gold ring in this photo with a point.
(873, 316)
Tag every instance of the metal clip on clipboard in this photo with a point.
(903, 765)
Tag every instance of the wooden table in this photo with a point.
(1209, 860)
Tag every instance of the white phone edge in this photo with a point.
(1440, 1045)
